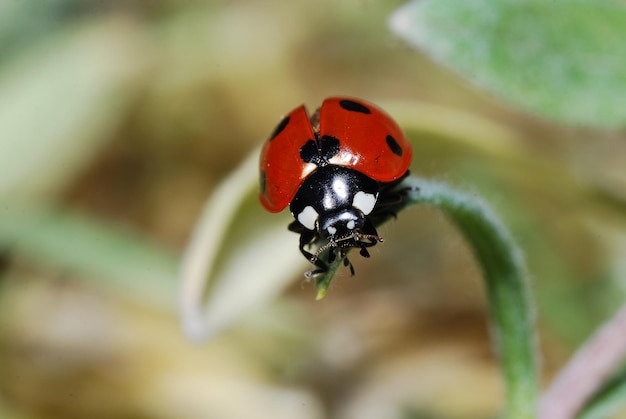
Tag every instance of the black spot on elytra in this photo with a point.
(309, 152)
(329, 147)
(263, 181)
(280, 127)
(394, 146)
(354, 107)
(319, 153)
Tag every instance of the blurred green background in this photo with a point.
(118, 118)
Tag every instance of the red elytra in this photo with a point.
(370, 142)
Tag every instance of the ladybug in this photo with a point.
(338, 170)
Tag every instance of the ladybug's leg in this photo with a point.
(368, 230)
(363, 252)
(370, 239)
(332, 254)
(306, 238)
(389, 198)
(389, 193)
(295, 227)
(347, 263)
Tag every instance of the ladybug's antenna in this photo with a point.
(358, 238)
(375, 239)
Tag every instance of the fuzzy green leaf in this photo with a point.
(109, 258)
(506, 283)
(564, 60)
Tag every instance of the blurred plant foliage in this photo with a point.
(563, 60)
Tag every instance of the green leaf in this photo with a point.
(505, 279)
(564, 60)
(26, 21)
(61, 101)
(238, 258)
(89, 250)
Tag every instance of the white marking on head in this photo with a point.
(331, 230)
(364, 201)
(308, 217)
(350, 224)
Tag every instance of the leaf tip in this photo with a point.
(321, 293)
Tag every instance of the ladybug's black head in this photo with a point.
(333, 204)
(341, 225)
(345, 229)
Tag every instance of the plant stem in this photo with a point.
(586, 371)
(607, 400)
(507, 289)
(505, 279)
